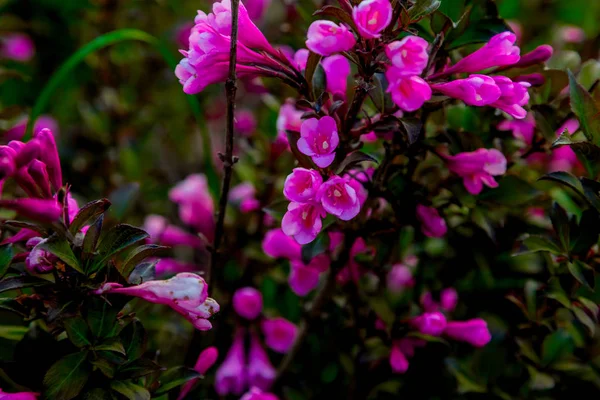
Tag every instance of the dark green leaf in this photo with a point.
(138, 368)
(130, 390)
(77, 331)
(277, 209)
(511, 191)
(134, 339)
(412, 127)
(556, 345)
(316, 247)
(144, 272)
(585, 108)
(540, 380)
(92, 235)
(108, 368)
(90, 211)
(123, 198)
(585, 319)
(590, 305)
(6, 255)
(101, 317)
(565, 178)
(319, 82)
(382, 309)
(311, 66)
(14, 333)
(303, 159)
(27, 225)
(560, 222)
(111, 344)
(98, 394)
(329, 373)
(66, 378)
(175, 377)
(20, 282)
(453, 9)
(61, 248)
(352, 160)
(423, 8)
(540, 243)
(118, 239)
(138, 255)
(378, 90)
(581, 272)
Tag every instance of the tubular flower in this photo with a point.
(478, 168)
(409, 55)
(371, 17)
(326, 38)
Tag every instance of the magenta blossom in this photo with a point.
(289, 119)
(337, 70)
(339, 198)
(247, 302)
(300, 58)
(536, 56)
(476, 90)
(326, 38)
(260, 370)
(244, 196)
(17, 46)
(302, 221)
(498, 52)
(196, 206)
(408, 92)
(371, 17)
(399, 278)
(305, 277)
(474, 331)
(478, 168)
(513, 97)
(162, 232)
(245, 123)
(571, 34)
(257, 394)
(39, 261)
(18, 396)
(256, 8)
(398, 360)
(206, 359)
(42, 122)
(521, 129)
(302, 185)
(231, 376)
(319, 139)
(280, 334)
(430, 323)
(408, 55)
(277, 244)
(432, 224)
(42, 210)
(448, 299)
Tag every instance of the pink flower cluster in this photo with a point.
(477, 168)
(311, 199)
(186, 293)
(207, 58)
(17, 47)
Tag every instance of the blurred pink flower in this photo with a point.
(232, 375)
(432, 224)
(399, 278)
(257, 394)
(196, 206)
(245, 123)
(261, 372)
(478, 168)
(326, 38)
(474, 332)
(430, 323)
(305, 277)
(162, 232)
(170, 266)
(521, 129)
(337, 70)
(18, 396)
(247, 302)
(513, 97)
(371, 17)
(280, 334)
(206, 359)
(277, 244)
(17, 46)
(448, 299)
(571, 34)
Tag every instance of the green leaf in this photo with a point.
(511, 191)
(111, 344)
(277, 209)
(540, 380)
(118, 239)
(382, 309)
(137, 255)
(61, 248)
(560, 222)
(587, 153)
(590, 305)
(123, 198)
(78, 331)
(453, 9)
(175, 377)
(66, 378)
(6, 256)
(540, 243)
(20, 282)
(316, 247)
(338, 13)
(579, 270)
(329, 373)
(101, 317)
(130, 390)
(138, 368)
(144, 272)
(134, 340)
(105, 366)
(304, 160)
(423, 8)
(585, 108)
(556, 345)
(90, 241)
(565, 178)
(98, 394)
(14, 333)
(352, 160)
(585, 319)
(311, 66)
(91, 210)
(319, 82)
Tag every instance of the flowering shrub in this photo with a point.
(390, 198)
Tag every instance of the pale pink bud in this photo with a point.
(408, 92)
(339, 198)
(478, 168)
(399, 278)
(408, 55)
(302, 185)
(248, 303)
(231, 376)
(277, 244)
(319, 139)
(280, 334)
(513, 97)
(432, 224)
(371, 17)
(17, 46)
(261, 372)
(476, 90)
(430, 323)
(448, 299)
(337, 70)
(498, 52)
(326, 38)
(257, 394)
(474, 331)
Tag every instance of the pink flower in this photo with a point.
(521, 129)
(277, 244)
(513, 96)
(358, 185)
(49, 156)
(170, 266)
(18, 130)
(572, 34)
(302, 185)
(231, 376)
(280, 334)
(339, 198)
(337, 70)
(256, 8)
(399, 278)
(326, 38)
(18, 396)
(478, 168)
(39, 261)
(305, 277)
(196, 206)
(182, 34)
(448, 299)
(245, 123)
(42, 210)
(260, 370)
(186, 293)
(432, 224)
(498, 52)
(319, 139)
(430, 323)
(243, 195)
(371, 17)
(303, 221)
(162, 232)
(398, 360)
(257, 394)
(353, 270)
(538, 55)
(206, 359)
(408, 55)
(301, 58)
(473, 331)
(476, 90)
(17, 46)
(247, 303)
(408, 92)
(289, 119)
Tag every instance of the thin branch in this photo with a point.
(227, 159)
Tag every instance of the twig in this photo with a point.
(227, 159)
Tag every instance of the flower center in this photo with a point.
(337, 193)
(325, 145)
(478, 97)
(304, 215)
(374, 18)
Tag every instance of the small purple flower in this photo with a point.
(430, 323)
(232, 376)
(478, 168)
(261, 372)
(302, 221)
(302, 185)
